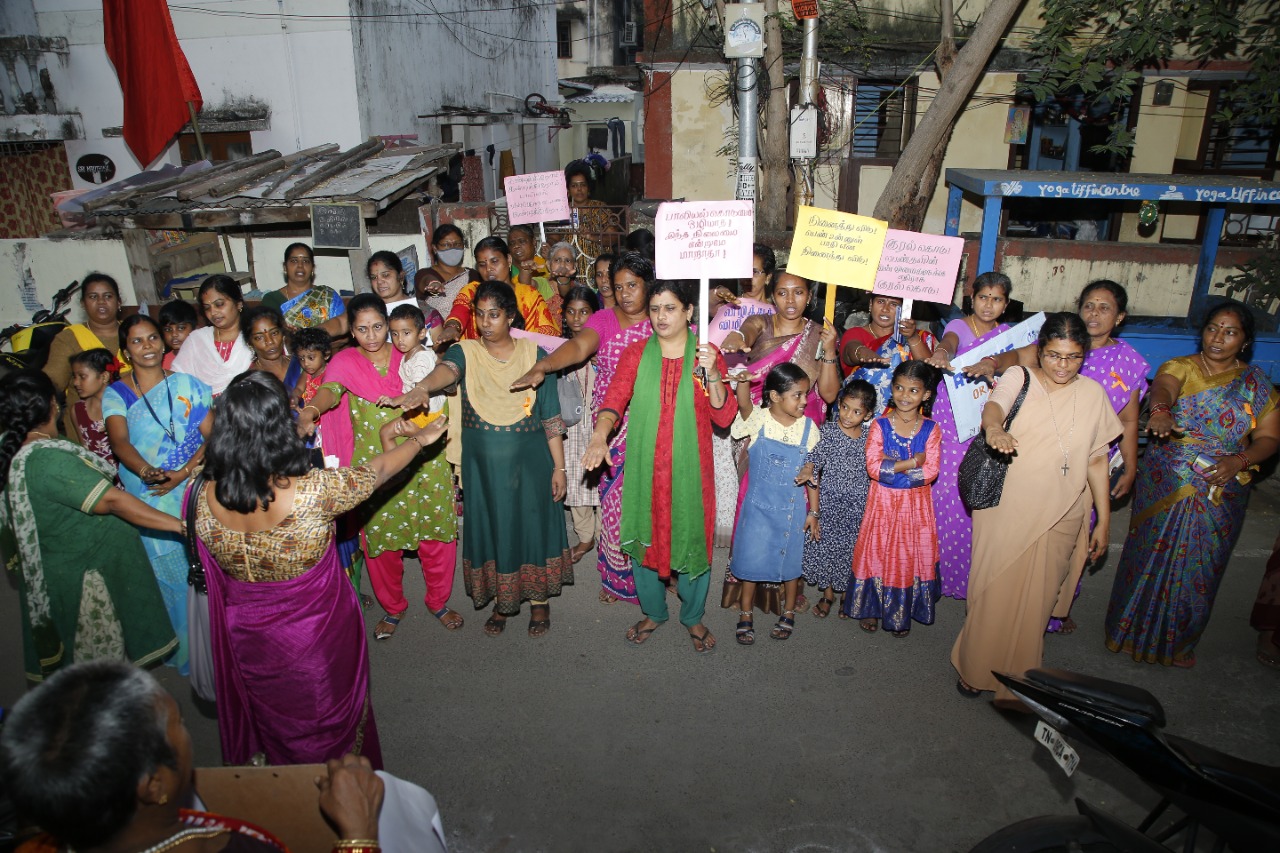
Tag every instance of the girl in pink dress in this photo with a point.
(895, 563)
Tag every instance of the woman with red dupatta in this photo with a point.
(290, 660)
(670, 413)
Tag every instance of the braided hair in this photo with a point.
(26, 402)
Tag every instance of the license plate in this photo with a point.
(1066, 757)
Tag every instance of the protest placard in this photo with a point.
(729, 318)
(968, 396)
(704, 240)
(548, 342)
(842, 249)
(919, 266)
(537, 197)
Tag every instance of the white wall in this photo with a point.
(302, 69)
(41, 267)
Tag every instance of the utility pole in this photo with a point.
(748, 129)
(804, 117)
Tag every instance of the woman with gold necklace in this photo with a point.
(215, 354)
(1030, 550)
(1215, 420)
(157, 422)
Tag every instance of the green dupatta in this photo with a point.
(688, 534)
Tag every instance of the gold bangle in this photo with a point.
(361, 844)
(312, 406)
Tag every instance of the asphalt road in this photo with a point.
(834, 740)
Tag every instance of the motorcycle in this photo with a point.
(1237, 800)
(29, 342)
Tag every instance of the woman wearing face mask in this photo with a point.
(438, 285)
(493, 260)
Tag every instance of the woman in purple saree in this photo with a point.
(290, 660)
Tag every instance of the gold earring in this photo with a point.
(164, 799)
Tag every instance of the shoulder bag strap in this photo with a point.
(195, 572)
(1017, 404)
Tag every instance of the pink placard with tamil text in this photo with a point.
(547, 342)
(704, 239)
(537, 197)
(919, 266)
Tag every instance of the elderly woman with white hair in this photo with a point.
(562, 271)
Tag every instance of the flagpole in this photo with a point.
(195, 126)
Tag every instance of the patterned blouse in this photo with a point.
(299, 541)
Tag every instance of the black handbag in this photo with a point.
(982, 470)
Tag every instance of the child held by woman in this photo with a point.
(409, 335)
(779, 508)
(895, 562)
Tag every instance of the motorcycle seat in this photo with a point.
(1258, 782)
(1096, 691)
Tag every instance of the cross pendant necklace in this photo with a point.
(1066, 449)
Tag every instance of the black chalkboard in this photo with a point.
(336, 226)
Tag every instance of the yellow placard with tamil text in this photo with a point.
(841, 249)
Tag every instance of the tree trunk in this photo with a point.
(775, 144)
(906, 197)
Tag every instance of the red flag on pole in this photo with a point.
(154, 75)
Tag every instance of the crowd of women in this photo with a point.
(307, 441)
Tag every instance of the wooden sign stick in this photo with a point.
(704, 323)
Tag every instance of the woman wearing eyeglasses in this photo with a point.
(1030, 550)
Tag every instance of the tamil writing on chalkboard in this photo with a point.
(337, 226)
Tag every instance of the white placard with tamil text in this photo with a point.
(968, 396)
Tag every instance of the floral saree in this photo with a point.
(1182, 530)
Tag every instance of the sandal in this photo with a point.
(703, 643)
(380, 633)
(966, 691)
(746, 631)
(900, 634)
(869, 625)
(823, 608)
(494, 625)
(637, 635)
(450, 619)
(607, 597)
(539, 627)
(802, 603)
(786, 624)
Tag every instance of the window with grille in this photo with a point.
(883, 118)
(564, 40)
